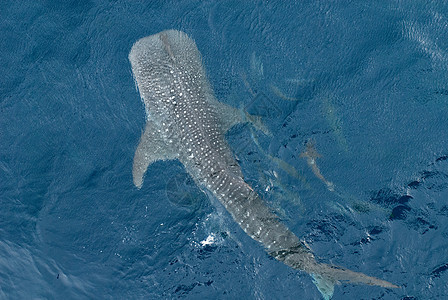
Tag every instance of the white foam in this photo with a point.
(210, 240)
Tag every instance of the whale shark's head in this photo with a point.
(160, 63)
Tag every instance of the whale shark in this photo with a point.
(185, 122)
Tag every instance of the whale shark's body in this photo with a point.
(187, 123)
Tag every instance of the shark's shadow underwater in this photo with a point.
(184, 121)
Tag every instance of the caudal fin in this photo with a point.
(324, 285)
(325, 277)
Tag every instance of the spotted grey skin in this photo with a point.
(186, 122)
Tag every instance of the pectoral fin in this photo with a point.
(151, 148)
(231, 116)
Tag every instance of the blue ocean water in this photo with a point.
(366, 83)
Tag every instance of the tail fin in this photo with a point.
(325, 277)
(324, 285)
